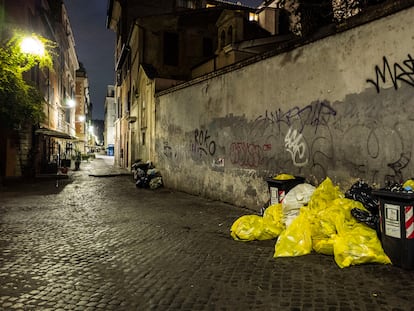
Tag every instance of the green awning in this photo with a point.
(53, 133)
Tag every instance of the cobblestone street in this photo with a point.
(99, 243)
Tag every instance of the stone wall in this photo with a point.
(339, 107)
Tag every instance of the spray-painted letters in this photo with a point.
(203, 144)
(296, 146)
(402, 73)
(247, 154)
(316, 114)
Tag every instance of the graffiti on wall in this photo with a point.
(398, 166)
(203, 144)
(296, 146)
(319, 136)
(167, 150)
(358, 137)
(246, 154)
(397, 73)
(316, 114)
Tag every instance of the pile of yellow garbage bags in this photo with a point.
(324, 225)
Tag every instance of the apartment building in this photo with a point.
(83, 110)
(109, 122)
(158, 45)
(39, 148)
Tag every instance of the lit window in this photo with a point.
(253, 17)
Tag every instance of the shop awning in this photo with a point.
(53, 133)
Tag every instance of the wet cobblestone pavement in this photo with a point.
(101, 244)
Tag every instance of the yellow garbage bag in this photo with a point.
(329, 222)
(249, 228)
(324, 194)
(324, 245)
(324, 216)
(284, 177)
(296, 240)
(273, 220)
(359, 245)
(346, 221)
(323, 229)
(409, 183)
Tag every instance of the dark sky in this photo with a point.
(95, 46)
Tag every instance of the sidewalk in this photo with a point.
(103, 166)
(100, 166)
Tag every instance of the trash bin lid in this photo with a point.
(393, 194)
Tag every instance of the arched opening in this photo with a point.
(230, 35)
(222, 39)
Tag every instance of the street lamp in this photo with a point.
(70, 103)
(32, 45)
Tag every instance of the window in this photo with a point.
(189, 4)
(171, 50)
(253, 17)
(230, 35)
(67, 114)
(283, 22)
(222, 39)
(118, 107)
(129, 102)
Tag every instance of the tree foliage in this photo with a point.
(20, 102)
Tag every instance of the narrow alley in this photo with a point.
(96, 242)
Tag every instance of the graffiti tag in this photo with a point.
(296, 146)
(247, 154)
(315, 114)
(203, 144)
(402, 73)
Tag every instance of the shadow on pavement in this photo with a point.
(38, 186)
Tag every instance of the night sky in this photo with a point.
(95, 46)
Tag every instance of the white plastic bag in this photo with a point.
(294, 200)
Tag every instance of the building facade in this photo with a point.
(334, 105)
(231, 92)
(110, 117)
(157, 47)
(39, 148)
(83, 111)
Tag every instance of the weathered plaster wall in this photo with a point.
(339, 107)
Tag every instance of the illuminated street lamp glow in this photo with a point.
(32, 45)
(82, 118)
(91, 129)
(71, 103)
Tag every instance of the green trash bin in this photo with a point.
(397, 226)
(279, 188)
